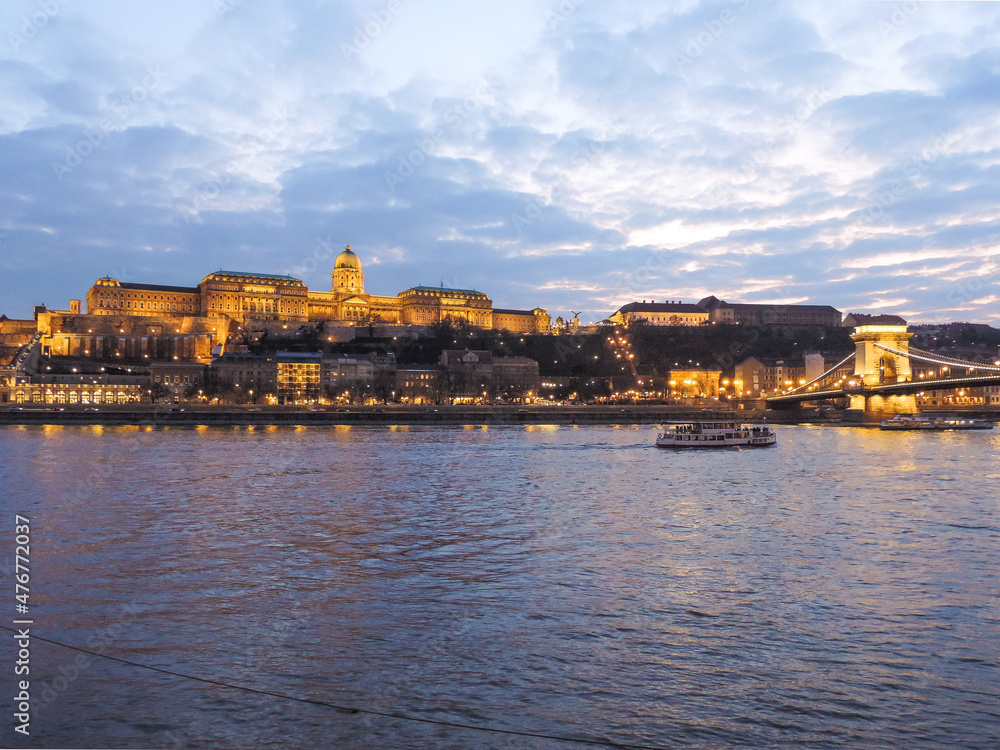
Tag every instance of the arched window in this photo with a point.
(887, 370)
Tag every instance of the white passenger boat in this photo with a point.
(911, 422)
(715, 435)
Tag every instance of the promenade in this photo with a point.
(388, 415)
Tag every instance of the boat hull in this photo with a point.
(937, 425)
(700, 435)
(761, 442)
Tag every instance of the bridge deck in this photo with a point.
(890, 389)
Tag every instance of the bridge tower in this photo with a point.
(875, 366)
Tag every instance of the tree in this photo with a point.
(371, 319)
(158, 391)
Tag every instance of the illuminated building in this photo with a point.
(241, 297)
(694, 383)
(476, 376)
(522, 321)
(753, 314)
(299, 376)
(179, 377)
(82, 389)
(660, 314)
(418, 385)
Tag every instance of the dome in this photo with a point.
(348, 259)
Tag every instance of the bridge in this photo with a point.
(882, 383)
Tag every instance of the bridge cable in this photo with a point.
(938, 359)
(955, 360)
(351, 709)
(836, 367)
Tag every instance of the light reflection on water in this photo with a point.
(838, 590)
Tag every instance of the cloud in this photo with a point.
(569, 156)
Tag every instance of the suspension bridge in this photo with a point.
(882, 382)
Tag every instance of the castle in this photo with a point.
(245, 297)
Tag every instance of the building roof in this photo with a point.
(421, 288)
(863, 319)
(793, 307)
(169, 365)
(714, 303)
(248, 275)
(299, 355)
(514, 361)
(660, 307)
(481, 356)
(158, 288)
(348, 259)
(504, 311)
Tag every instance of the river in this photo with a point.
(839, 590)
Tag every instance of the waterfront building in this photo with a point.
(475, 376)
(246, 371)
(347, 371)
(515, 378)
(418, 385)
(80, 388)
(179, 377)
(299, 376)
(83, 394)
(757, 378)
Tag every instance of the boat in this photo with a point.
(716, 435)
(913, 422)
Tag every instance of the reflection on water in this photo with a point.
(838, 590)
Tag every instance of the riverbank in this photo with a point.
(277, 415)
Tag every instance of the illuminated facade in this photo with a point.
(156, 336)
(660, 314)
(522, 321)
(242, 297)
(694, 383)
(299, 376)
(83, 394)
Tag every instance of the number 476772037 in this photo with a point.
(22, 572)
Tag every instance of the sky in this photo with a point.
(570, 154)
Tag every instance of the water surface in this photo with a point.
(838, 590)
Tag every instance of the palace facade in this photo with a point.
(242, 297)
(712, 310)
